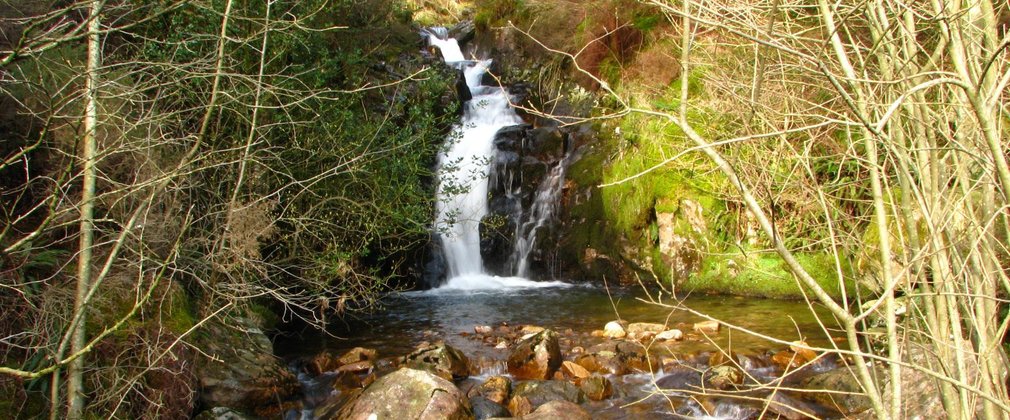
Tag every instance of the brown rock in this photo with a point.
(495, 389)
(440, 359)
(520, 406)
(530, 329)
(356, 367)
(536, 357)
(673, 334)
(405, 394)
(244, 374)
(640, 327)
(558, 410)
(707, 327)
(642, 336)
(321, 363)
(723, 377)
(573, 370)
(804, 354)
(786, 359)
(357, 354)
(596, 387)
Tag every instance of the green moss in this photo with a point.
(766, 275)
(179, 314)
(265, 317)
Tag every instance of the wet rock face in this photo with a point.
(851, 399)
(616, 358)
(558, 410)
(435, 268)
(484, 408)
(525, 156)
(496, 389)
(405, 394)
(536, 357)
(596, 387)
(440, 359)
(245, 374)
(530, 395)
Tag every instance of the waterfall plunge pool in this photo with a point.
(575, 311)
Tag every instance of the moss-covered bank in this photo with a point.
(642, 205)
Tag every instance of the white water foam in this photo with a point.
(486, 282)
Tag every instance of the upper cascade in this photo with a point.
(439, 37)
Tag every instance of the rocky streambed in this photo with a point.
(592, 354)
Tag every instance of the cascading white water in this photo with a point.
(439, 37)
(545, 204)
(465, 163)
(463, 172)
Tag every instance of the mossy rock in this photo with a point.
(767, 275)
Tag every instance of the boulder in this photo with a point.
(707, 327)
(640, 327)
(511, 138)
(596, 387)
(536, 357)
(572, 370)
(244, 374)
(614, 329)
(484, 408)
(838, 389)
(679, 241)
(358, 354)
(496, 389)
(803, 352)
(723, 377)
(670, 335)
(463, 31)
(547, 143)
(321, 363)
(791, 408)
(357, 367)
(405, 394)
(440, 359)
(530, 329)
(558, 410)
(616, 358)
(680, 377)
(533, 394)
(462, 89)
(497, 233)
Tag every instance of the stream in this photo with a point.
(485, 316)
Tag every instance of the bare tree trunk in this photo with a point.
(89, 151)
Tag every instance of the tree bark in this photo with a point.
(89, 151)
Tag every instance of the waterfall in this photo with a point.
(465, 162)
(545, 204)
(463, 169)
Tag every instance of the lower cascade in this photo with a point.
(478, 165)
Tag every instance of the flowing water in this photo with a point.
(471, 298)
(449, 314)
